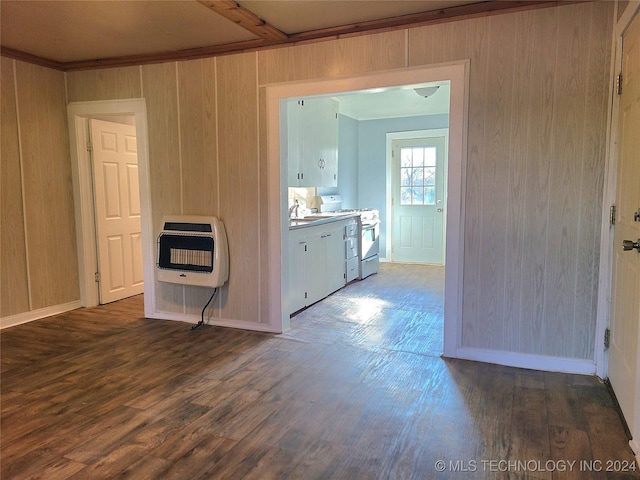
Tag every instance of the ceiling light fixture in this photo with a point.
(426, 92)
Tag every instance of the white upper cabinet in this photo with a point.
(312, 142)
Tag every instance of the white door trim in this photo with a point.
(458, 74)
(436, 132)
(78, 114)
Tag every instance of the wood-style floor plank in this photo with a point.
(357, 389)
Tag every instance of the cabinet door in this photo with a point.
(312, 142)
(316, 269)
(293, 142)
(328, 143)
(334, 250)
(297, 268)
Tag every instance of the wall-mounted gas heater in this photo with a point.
(193, 250)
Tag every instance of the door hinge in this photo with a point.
(607, 338)
(97, 277)
(89, 147)
(305, 294)
(619, 84)
(612, 215)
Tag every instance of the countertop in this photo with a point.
(318, 219)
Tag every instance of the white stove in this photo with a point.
(368, 231)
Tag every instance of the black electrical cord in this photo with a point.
(201, 322)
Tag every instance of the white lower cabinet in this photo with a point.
(316, 263)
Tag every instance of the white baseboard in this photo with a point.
(218, 322)
(32, 315)
(530, 361)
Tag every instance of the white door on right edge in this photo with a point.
(419, 197)
(624, 351)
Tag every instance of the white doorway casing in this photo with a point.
(79, 114)
(458, 74)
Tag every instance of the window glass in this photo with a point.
(418, 175)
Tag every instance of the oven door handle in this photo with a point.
(369, 226)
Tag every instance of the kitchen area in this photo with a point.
(337, 179)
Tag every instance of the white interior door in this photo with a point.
(624, 352)
(117, 208)
(419, 197)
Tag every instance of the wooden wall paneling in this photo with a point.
(592, 176)
(345, 56)
(544, 31)
(266, 217)
(239, 183)
(476, 153)
(564, 210)
(14, 286)
(462, 37)
(104, 84)
(442, 39)
(515, 218)
(277, 65)
(51, 235)
(198, 143)
(419, 48)
(469, 41)
(372, 53)
(198, 151)
(494, 167)
(160, 90)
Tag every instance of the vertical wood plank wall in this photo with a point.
(14, 283)
(198, 153)
(537, 128)
(536, 143)
(39, 257)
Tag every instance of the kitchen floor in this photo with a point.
(400, 308)
(356, 390)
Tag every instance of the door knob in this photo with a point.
(630, 245)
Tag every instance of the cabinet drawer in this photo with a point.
(351, 246)
(352, 269)
(351, 230)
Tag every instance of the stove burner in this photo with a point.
(354, 210)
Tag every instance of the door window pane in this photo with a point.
(418, 175)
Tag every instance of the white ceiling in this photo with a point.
(295, 16)
(67, 31)
(71, 30)
(394, 103)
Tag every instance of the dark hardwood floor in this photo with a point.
(356, 390)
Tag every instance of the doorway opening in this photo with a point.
(457, 75)
(120, 112)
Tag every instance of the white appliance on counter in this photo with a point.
(368, 232)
